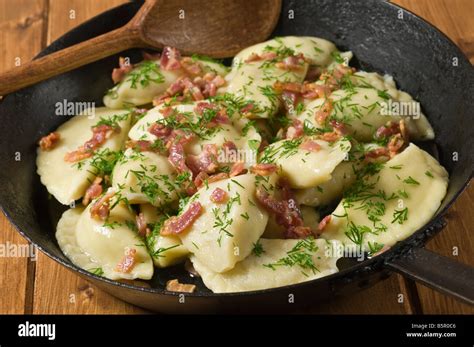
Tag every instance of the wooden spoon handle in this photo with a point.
(67, 59)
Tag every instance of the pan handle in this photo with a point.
(437, 272)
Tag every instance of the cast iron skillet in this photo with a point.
(418, 56)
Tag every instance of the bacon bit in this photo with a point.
(141, 146)
(338, 127)
(219, 196)
(128, 262)
(342, 70)
(175, 286)
(151, 56)
(332, 136)
(191, 66)
(324, 222)
(204, 177)
(200, 179)
(94, 191)
(313, 73)
(384, 249)
(295, 130)
(229, 148)
(160, 131)
(101, 208)
(286, 211)
(322, 114)
(217, 177)
(262, 169)
(203, 106)
(403, 130)
(237, 169)
(49, 141)
(170, 59)
(299, 232)
(177, 157)
(287, 86)
(247, 109)
(291, 63)
(206, 161)
(314, 91)
(311, 146)
(375, 154)
(289, 100)
(178, 224)
(395, 144)
(387, 130)
(143, 230)
(99, 136)
(260, 57)
(119, 73)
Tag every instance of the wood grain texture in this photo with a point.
(21, 37)
(454, 18)
(57, 290)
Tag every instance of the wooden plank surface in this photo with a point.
(455, 19)
(21, 37)
(57, 290)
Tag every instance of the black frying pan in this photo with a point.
(418, 56)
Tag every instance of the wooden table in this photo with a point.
(43, 286)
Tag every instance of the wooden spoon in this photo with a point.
(217, 28)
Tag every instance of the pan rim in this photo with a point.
(336, 276)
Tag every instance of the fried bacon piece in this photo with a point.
(203, 177)
(99, 136)
(310, 145)
(191, 66)
(206, 161)
(324, 222)
(260, 57)
(262, 169)
(175, 286)
(128, 262)
(170, 59)
(295, 130)
(94, 191)
(314, 91)
(101, 208)
(238, 168)
(160, 131)
(322, 114)
(292, 63)
(142, 227)
(49, 141)
(178, 224)
(124, 68)
(219, 196)
(286, 211)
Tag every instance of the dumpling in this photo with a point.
(361, 110)
(342, 177)
(225, 232)
(143, 177)
(306, 168)
(68, 181)
(390, 205)
(111, 248)
(317, 50)
(419, 127)
(274, 263)
(165, 250)
(148, 80)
